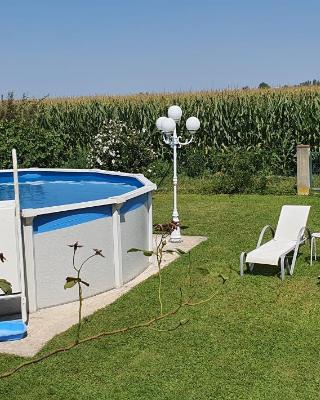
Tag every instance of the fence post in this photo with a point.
(303, 169)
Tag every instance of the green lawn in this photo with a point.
(257, 339)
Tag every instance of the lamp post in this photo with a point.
(168, 128)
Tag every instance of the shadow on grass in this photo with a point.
(265, 270)
(274, 270)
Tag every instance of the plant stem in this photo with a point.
(78, 270)
(86, 260)
(73, 258)
(159, 289)
(90, 338)
(189, 270)
(80, 309)
(159, 262)
(110, 333)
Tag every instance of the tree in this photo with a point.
(314, 82)
(263, 85)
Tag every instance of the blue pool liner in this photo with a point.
(15, 329)
(47, 189)
(65, 219)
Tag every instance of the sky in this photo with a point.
(103, 47)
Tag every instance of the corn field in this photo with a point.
(271, 121)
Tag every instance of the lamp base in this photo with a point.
(175, 240)
(175, 236)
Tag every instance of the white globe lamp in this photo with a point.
(175, 113)
(159, 123)
(192, 124)
(168, 125)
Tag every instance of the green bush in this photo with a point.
(36, 147)
(160, 172)
(236, 183)
(39, 147)
(280, 185)
(224, 184)
(194, 164)
(231, 171)
(117, 147)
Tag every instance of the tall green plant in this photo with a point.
(163, 231)
(72, 281)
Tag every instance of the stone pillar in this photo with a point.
(303, 169)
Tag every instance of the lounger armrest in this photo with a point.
(300, 240)
(264, 230)
(308, 232)
(301, 234)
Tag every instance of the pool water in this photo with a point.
(47, 189)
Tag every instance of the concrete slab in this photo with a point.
(46, 323)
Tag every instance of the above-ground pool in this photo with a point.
(105, 210)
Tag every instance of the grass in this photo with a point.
(206, 184)
(258, 339)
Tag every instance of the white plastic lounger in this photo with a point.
(287, 238)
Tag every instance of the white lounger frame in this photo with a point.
(301, 239)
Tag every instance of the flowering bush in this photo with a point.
(118, 147)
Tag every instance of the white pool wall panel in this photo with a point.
(134, 234)
(9, 269)
(9, 245)
(53, 261)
